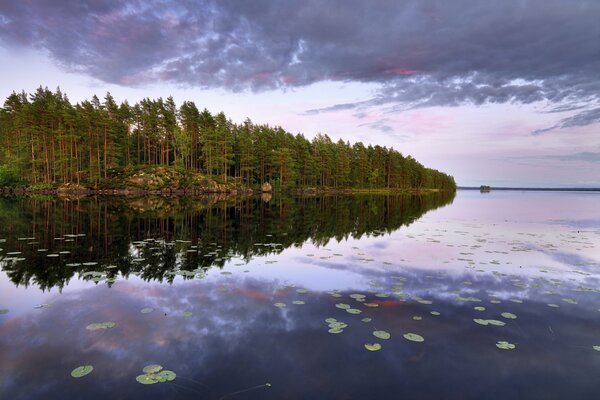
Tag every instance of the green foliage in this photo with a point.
(9, 176)
(56, 142)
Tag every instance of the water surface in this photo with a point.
(239, 291)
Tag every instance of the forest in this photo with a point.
(48, 141)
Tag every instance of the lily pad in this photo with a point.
(504, 345)
(186, 314)
(553, 305)
(413, 337)
(152, 368)
(280, 305)
(597, 348)
(147, 379)
(100, 325)
(479, 308)
(508, 315)
(147, 310)
(299, 302)
(353, 311)
(82, 371)
(382, 335)
(366, 320)
(436, 313)
(357, 296)
(343, 306)
(372, 346)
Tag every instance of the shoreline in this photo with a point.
(193, 192)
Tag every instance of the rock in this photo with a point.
(266, 187)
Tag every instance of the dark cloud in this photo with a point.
(582, 118)
(585, 156)
(422, 53)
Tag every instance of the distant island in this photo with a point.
(484, 188)
(49, 144)
(534, 189)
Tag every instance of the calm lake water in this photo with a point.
(479, 296)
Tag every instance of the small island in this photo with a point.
(484, 188)
(53, 146)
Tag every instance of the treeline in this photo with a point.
(46, 140)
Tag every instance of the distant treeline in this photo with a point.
(46, 140)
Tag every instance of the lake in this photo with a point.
(479, 295)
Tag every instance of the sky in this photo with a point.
(503, 93)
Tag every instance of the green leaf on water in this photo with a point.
(298, 302)
(279, 305)
(372, 346)
(335, 330)
(505, 345)
(436, 313)
(495, 322)
(597, 348)
(357, 296)
(147, 379)
(100, 325)
(343, 306)
(382, 335)
(480, 321)
(147, 310)
(569, 300)
(152, 368)
(479, 308)
(553, 305)
(330, 320)
(167, 375)
(186, 314)
(366, 320)
(353, 311)
(413, 337)
(508, 315)
(82, 371)
(417, 318)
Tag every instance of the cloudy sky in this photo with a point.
(493, 92)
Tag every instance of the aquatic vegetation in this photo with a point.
(372, 346)
(382, 335)
(100, 325)
(146, 310)
(82, 371)
(155, 373)
(505, 345)
(413, 337)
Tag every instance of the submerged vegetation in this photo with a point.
(48, 142)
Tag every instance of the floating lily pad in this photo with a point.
(299, 302)
(167, 375)
(417, 318)
(479, 308)
(436, 313)
(505, 345)
(508, 315)
(335, 330)
(372, 346)
(147, 379)
(147, 310)
(186, 314)
(413, 337)
(357, 296)
(353, 311)
(480, 321)
(330, 320)
(343, 306)
(366, 320)
(82, 371)
(100, 325)
(279, 304)
(371, 304)
(597, 348)
(152, 368)
(382, 335)
(553, 305)
(570, 301)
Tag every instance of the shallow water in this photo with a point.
(212, 271)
